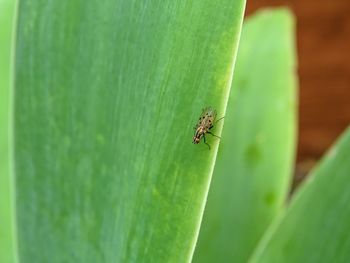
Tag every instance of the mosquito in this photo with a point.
(205, 123)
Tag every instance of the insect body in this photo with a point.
(205, 123)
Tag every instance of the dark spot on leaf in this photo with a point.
(253, 154)
(270, 198)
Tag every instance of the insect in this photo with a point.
(206, 121)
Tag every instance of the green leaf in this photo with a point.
(6, 203)
(255, 160)
(107, 94)
(315, 228)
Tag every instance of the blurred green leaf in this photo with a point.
(107, 94)
(315, 228)
(6, 203)
(256, 156)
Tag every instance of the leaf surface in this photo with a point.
(7, 223)
(107, 94)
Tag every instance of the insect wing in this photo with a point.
(208, 117)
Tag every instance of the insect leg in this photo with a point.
(216, 122)
(206, 142)
(219, 120)
(213, 135)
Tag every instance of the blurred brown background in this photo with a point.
(323, 43)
